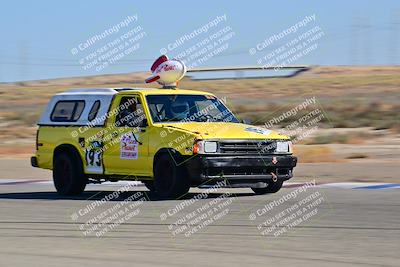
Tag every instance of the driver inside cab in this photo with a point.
(130, 112)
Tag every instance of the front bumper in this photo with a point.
(240, 169)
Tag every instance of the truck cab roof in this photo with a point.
(144, 91)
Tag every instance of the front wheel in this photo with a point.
(272, 187)
(149, 185)
(170, 180)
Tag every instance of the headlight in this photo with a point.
(210, 147)
(283, 146)
(202, 147)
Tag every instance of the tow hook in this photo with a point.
(274, 177)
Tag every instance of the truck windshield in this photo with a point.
(188, 108)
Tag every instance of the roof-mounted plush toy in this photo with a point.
(167, 72)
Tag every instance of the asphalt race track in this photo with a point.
(334, 225)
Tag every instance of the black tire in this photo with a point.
(170, 180)
(68, 176)
(271, 188)
(149, 185)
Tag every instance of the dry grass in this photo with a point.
(314, 153)
(357, 137)
(17, 151)
(350, 96)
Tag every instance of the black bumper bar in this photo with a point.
(256, 168)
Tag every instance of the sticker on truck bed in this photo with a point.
(94, 157)
(129, 146)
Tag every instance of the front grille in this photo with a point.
(247, 147)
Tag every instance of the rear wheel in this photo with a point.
(271, 188)
(68, 175)
(170, 180)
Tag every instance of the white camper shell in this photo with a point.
(85, 102)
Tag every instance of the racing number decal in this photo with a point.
(94, 157)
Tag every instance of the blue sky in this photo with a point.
(37, 36)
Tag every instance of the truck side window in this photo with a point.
(93, 111)
(130, 112)
(67, 110)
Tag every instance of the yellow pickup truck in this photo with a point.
(169, 139)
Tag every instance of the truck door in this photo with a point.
(126, 142)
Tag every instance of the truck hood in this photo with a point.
(225, 130)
